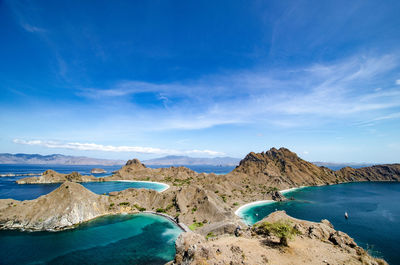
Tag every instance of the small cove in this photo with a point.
(374, 215)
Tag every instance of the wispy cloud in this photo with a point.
(26, 15)
(398, 82)
(285, 98)
(31, 28)
(111, 148)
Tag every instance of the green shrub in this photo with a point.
(160, 210)
(141, 209)
(209, 235)
(284, 230)
(223, 197)
(195, 225)
(124, 203)
(272, 189)
(112, 204)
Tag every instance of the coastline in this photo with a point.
(293, 189)
(246, 206)
(166, 186)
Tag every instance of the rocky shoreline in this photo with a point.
(204, 202)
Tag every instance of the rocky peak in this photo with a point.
(49, 172)
(262, 159)
(135, 163)
(282, 153)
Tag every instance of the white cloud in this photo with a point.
(111, 148)
(398, 82)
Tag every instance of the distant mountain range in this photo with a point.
(55, 159)
(187, 161)
(337, 166)
(58, 159)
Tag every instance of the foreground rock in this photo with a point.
(316, 243)
(51, 176)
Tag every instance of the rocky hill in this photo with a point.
(282, 168)
(68, 205)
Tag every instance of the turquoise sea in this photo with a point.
(121, 239)
(373, 208)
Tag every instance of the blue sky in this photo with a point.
(124, 79)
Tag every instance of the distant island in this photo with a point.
(55, 159)
(189, 161)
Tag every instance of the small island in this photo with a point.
(97, 171)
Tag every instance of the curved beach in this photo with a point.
(166, 186)
(246, 206)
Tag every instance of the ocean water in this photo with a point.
(65, 169)
(9, 189)
(373, 208)
(121, 239)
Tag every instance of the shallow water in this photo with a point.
(122, 239)
(373, 208)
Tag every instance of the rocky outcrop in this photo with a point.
(135, 170)
(374, 173)
(68, 205)
(97, 171)
(51, 176)
(316, 243)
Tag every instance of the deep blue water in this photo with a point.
(122, 239)
(373, 208)
(84, 170)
